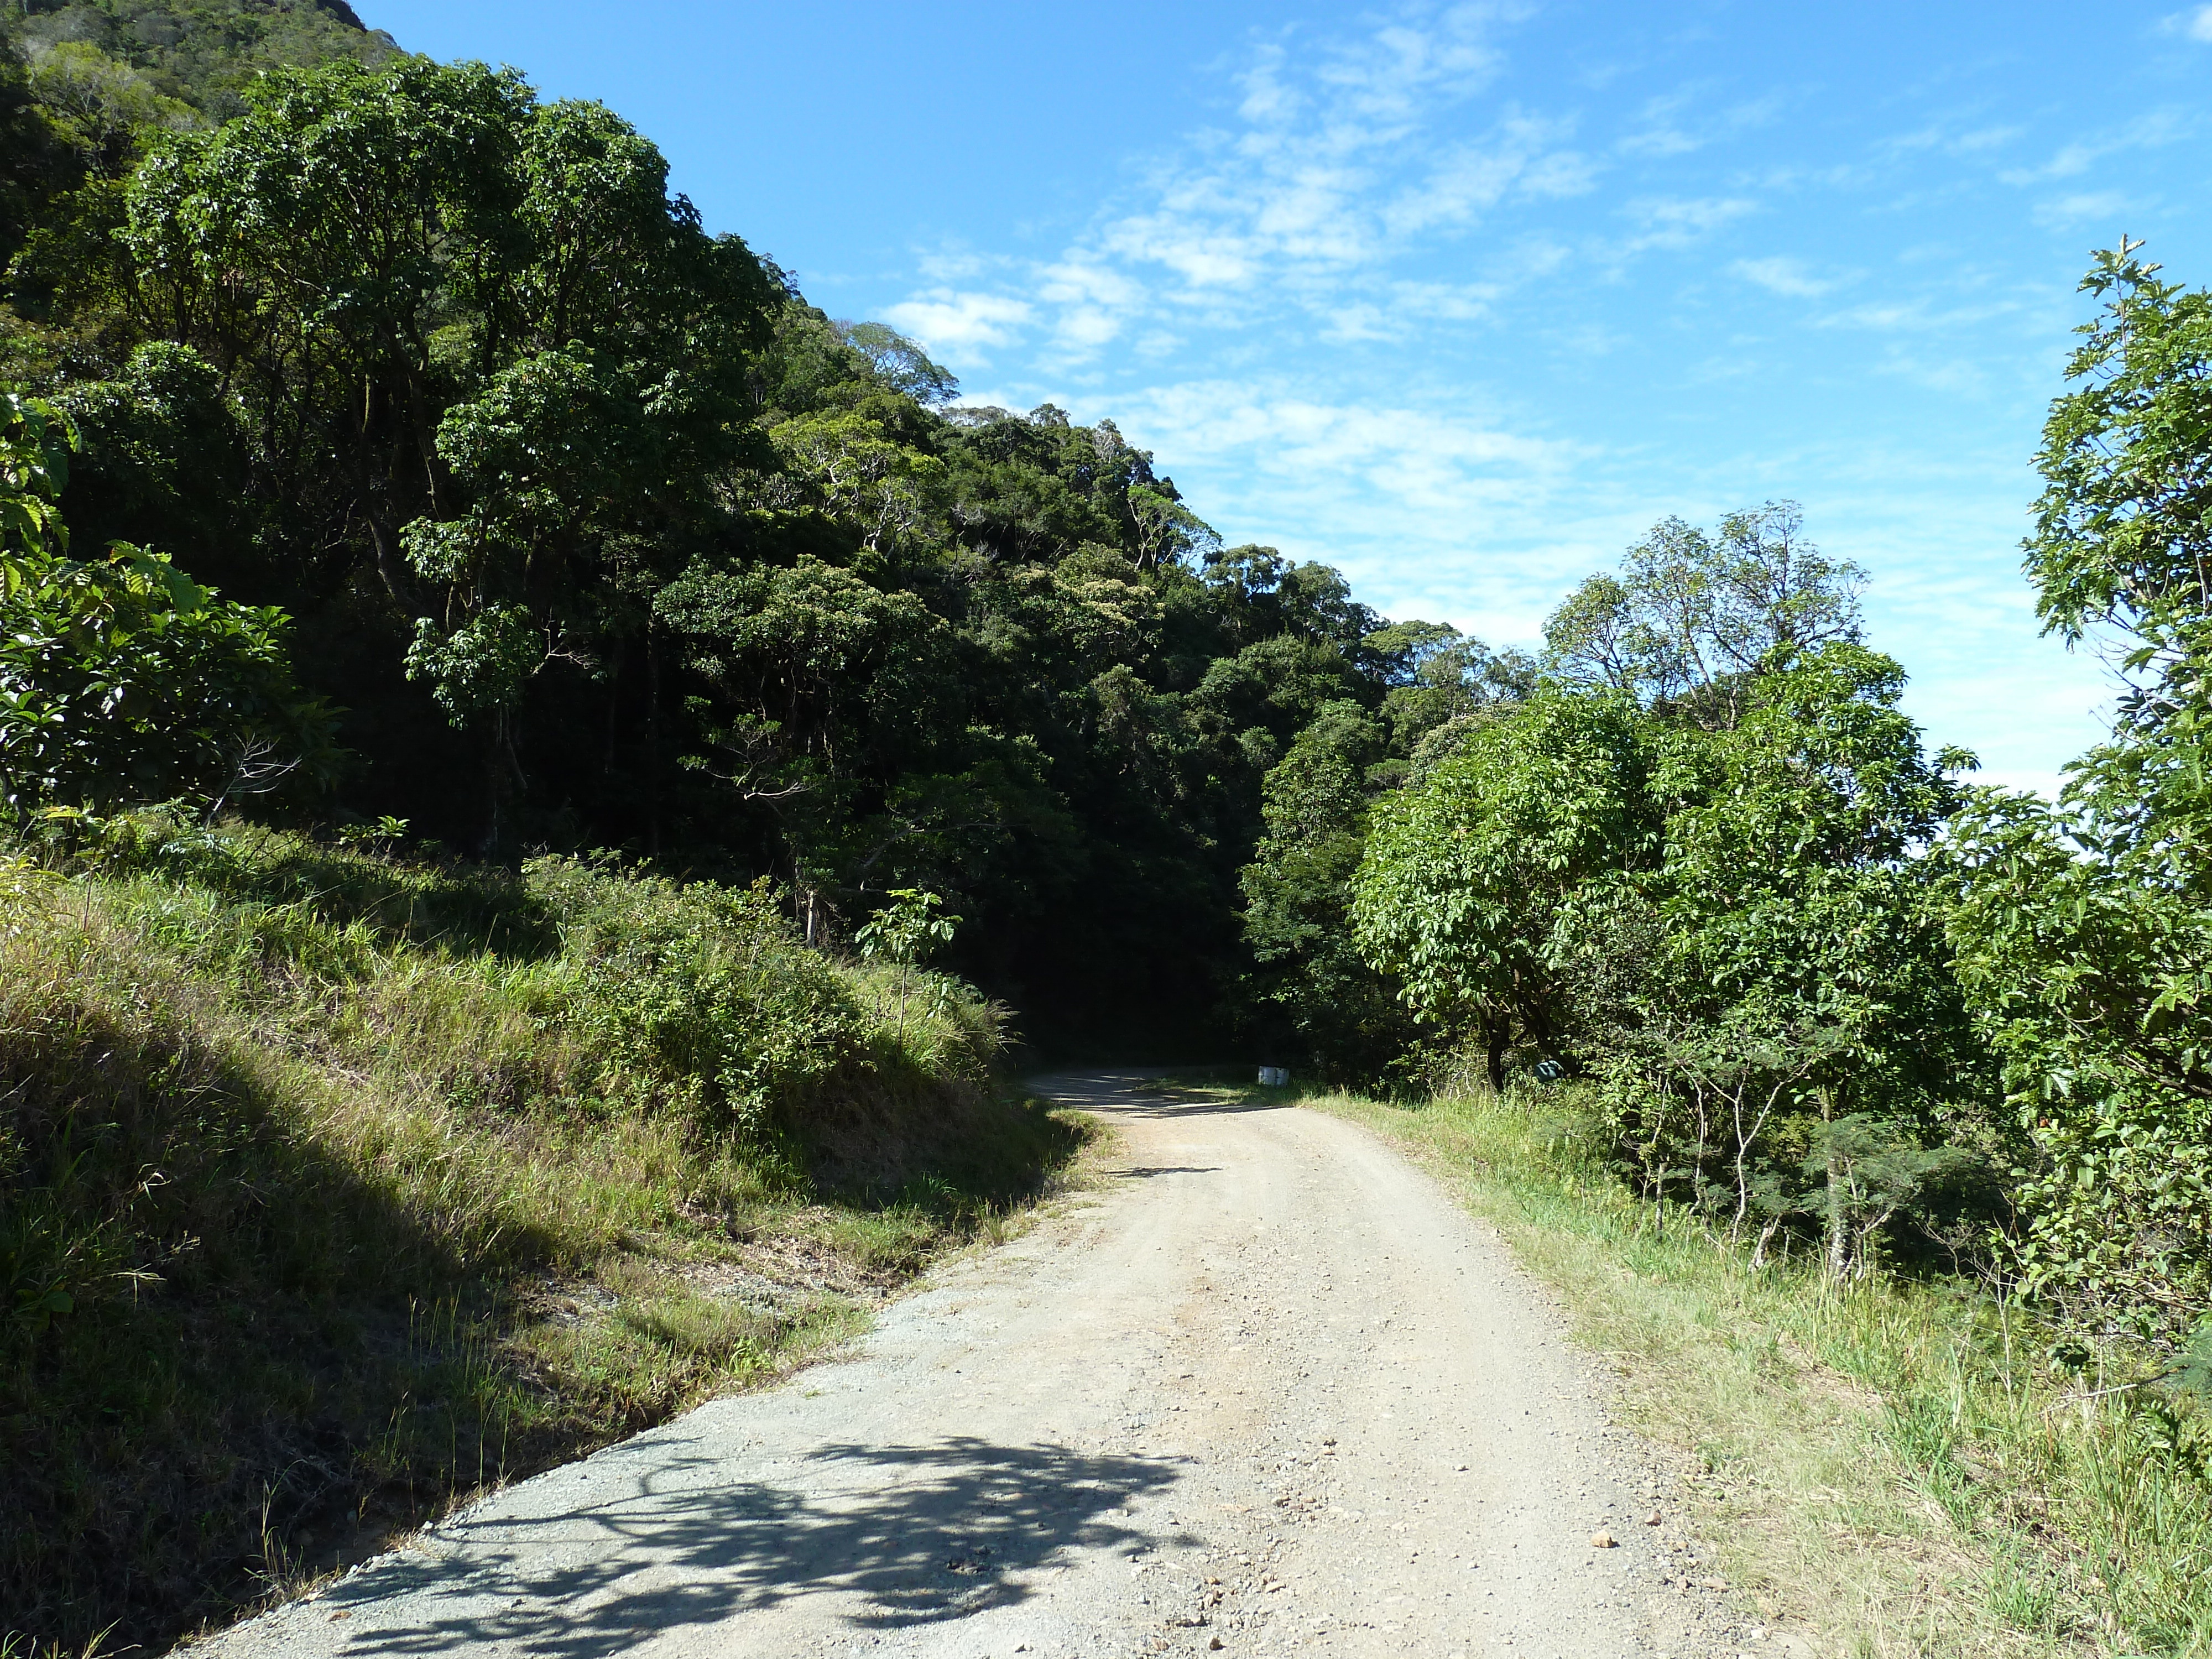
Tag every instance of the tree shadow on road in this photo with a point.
(1150, 1171)
(1139, 1093)
(919, 1534)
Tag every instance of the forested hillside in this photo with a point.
(600, 534)
(446, 583)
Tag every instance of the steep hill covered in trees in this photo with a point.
(598, 534)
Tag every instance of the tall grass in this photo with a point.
(333, 1186)
(1891, 1467)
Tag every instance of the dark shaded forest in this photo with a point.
(593, 532)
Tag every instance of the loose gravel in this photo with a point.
(1266, 1390)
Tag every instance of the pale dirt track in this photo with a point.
(1271, 1389)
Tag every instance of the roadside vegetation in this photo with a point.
(1817, 986)
(335, 1185)
(1887, 1466)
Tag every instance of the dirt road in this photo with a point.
(1272, 1391)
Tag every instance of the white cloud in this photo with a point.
(2064, 212)
(1786, 277)
(1366, 316)
(958, 326)
(1917, 315)
(1520, 156)
(1668, 221)
(2158, 127)
(2193, 25)
(1944, 137)
(1663, 134)
(1346, 158)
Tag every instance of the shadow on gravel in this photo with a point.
(1169, 1106)
(920, 1533)
(1146, 1171)
(1138, 1094)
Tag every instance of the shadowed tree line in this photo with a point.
(580, 527)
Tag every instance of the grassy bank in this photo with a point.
(1889, 1469)
(333, 1186)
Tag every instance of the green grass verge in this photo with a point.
(1890, 1468)
(334, 1187)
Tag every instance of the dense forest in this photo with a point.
(596, 533)
(389, 462)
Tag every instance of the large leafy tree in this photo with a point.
(1472, 879)
(2085, 930)
(1694, 615)
(480, 357)
(602, 535)
(1800, 958)
(1308, 969)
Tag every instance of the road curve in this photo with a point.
(1272, 1391)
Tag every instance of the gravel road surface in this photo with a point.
(1269, 1391)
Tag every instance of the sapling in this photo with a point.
(906, 931)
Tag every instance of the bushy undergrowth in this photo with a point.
(333, 1186)
(1900, 1466)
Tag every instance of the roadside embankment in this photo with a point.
(334, 1186)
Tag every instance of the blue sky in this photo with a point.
(1462, 298)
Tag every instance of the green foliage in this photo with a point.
(602, 535)
(1341, 1012)
(2120, 538)
(2082, 962)
(1790, 894)
(202, 53)
(1473, 880)
(907, 929)
(333, 1185)
(87, 88)
(1799, 1034)
(503, 289)
(1688, 864)
(896, 361)
(2084, 930)
(121, 679)
(1692, 617)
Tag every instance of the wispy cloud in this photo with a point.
(1778, 274)
(1686, 120)
(2083, 207)
(960, 327)
(2072, 159)
(1671, 222)
(1918, 314)
(2195, 24)
(1346, 157)
(1400, 304)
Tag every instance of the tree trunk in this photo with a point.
(1839, 1216)
(494, 794)
(504, 779)
(651, 740)
(1494, 1034)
